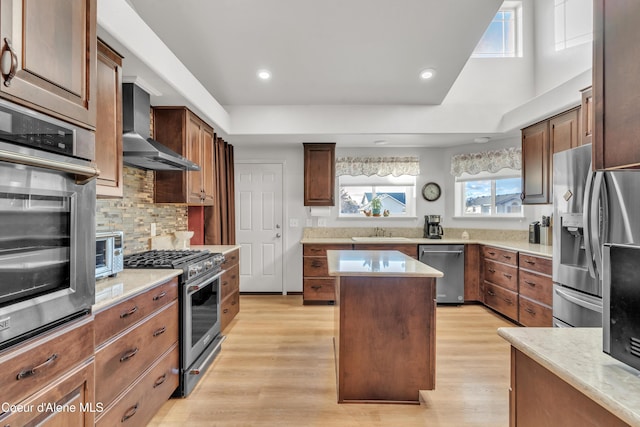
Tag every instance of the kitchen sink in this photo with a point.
(379, 239)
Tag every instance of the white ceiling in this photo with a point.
(364, 53)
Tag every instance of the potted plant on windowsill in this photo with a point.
(376, 206)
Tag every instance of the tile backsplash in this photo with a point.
(135, 212)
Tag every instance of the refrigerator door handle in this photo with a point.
(595, 220)
(578, 301)
(586, 222)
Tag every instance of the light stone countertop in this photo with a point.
(377, 263)
(224, 249)
(128, 283)
(515, 245)
(576, 356)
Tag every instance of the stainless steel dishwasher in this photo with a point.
(450, 260)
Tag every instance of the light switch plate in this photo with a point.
(293, 222)
(322, 222)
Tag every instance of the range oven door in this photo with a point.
(201, 339)
(47, 241)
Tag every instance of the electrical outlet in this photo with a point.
(309, 222)
(293, 222)
(322, 222)
(153, 229)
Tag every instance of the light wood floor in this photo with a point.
(277, 368)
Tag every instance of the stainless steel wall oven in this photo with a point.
(47, 222)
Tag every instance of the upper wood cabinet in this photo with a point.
(535, 164)
(185, 133)
(563, 135)
(319, 174)
(615, 90)
(49, 56)
(109, 122)
(586, 116)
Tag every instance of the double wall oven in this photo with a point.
(47, 222)
(199, 295)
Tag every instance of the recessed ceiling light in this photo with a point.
(481, 139)
(380, 142)
(427, 74)
(264, 74)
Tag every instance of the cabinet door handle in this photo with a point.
(8, 76)
(32, 371)
(508, 276)
(129, 354)
(159, 331)
(130, 413)
(160, 296)
(129, 313)
(160, 380)
(530, 283)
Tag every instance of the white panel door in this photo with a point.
(259, 226)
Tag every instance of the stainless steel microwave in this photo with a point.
(109, 254)
(621, 302)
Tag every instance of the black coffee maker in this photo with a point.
(432, 227)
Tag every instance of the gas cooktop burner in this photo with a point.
(164, 258)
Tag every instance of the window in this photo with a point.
(489, 194)
(397, 194)
(502, 39)
(573, 23)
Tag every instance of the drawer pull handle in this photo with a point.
(316, 264)
(507, 256)
(129, 313)
(225, 311)
(530, 311)
(130, 413)
(316, 287)
(491, 293)
(159, 331)
(508, 301)
(492, 253)
(233, 277)
(30, 372)
(508, 276)
(9, 75)
(160, 381)
(160, 296)
(233, 302)
(225, 283)
(528, 261)
(491, 270)
(529, 283)
(129, 354)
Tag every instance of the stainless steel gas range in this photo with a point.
(199, 295)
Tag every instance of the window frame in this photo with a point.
(515, 7)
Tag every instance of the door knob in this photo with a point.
(278, 235)
(277, 225)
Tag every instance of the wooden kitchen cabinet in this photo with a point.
(500, 286)
(55, 367)
(538, 397)
(535, 289)
(109, 122)
(535, 164)
(49, 57)
(230, 288)
(136, 348)
(616, 94)
(319, 174)
(586, 116)
(472, 275)
(318, 286)
(185, 133)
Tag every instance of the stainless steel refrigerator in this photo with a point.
(590, 209)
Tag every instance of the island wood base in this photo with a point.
(384, 338)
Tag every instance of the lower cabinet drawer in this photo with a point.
(536, 286)
(229, 307)
(122, 359)
(319, 289)
(139, 403)
(315, 266)
(533, 314)
(230, 282)
(501, 274)
(502, 300)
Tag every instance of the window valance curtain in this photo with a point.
(381, 166)
(488, 161)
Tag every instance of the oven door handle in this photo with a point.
(83, 174)
(192, 289)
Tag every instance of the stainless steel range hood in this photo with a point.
(139, 150)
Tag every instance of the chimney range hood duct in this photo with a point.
(139, 150)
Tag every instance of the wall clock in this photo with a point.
(431, 191)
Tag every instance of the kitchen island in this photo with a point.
(384, 326)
